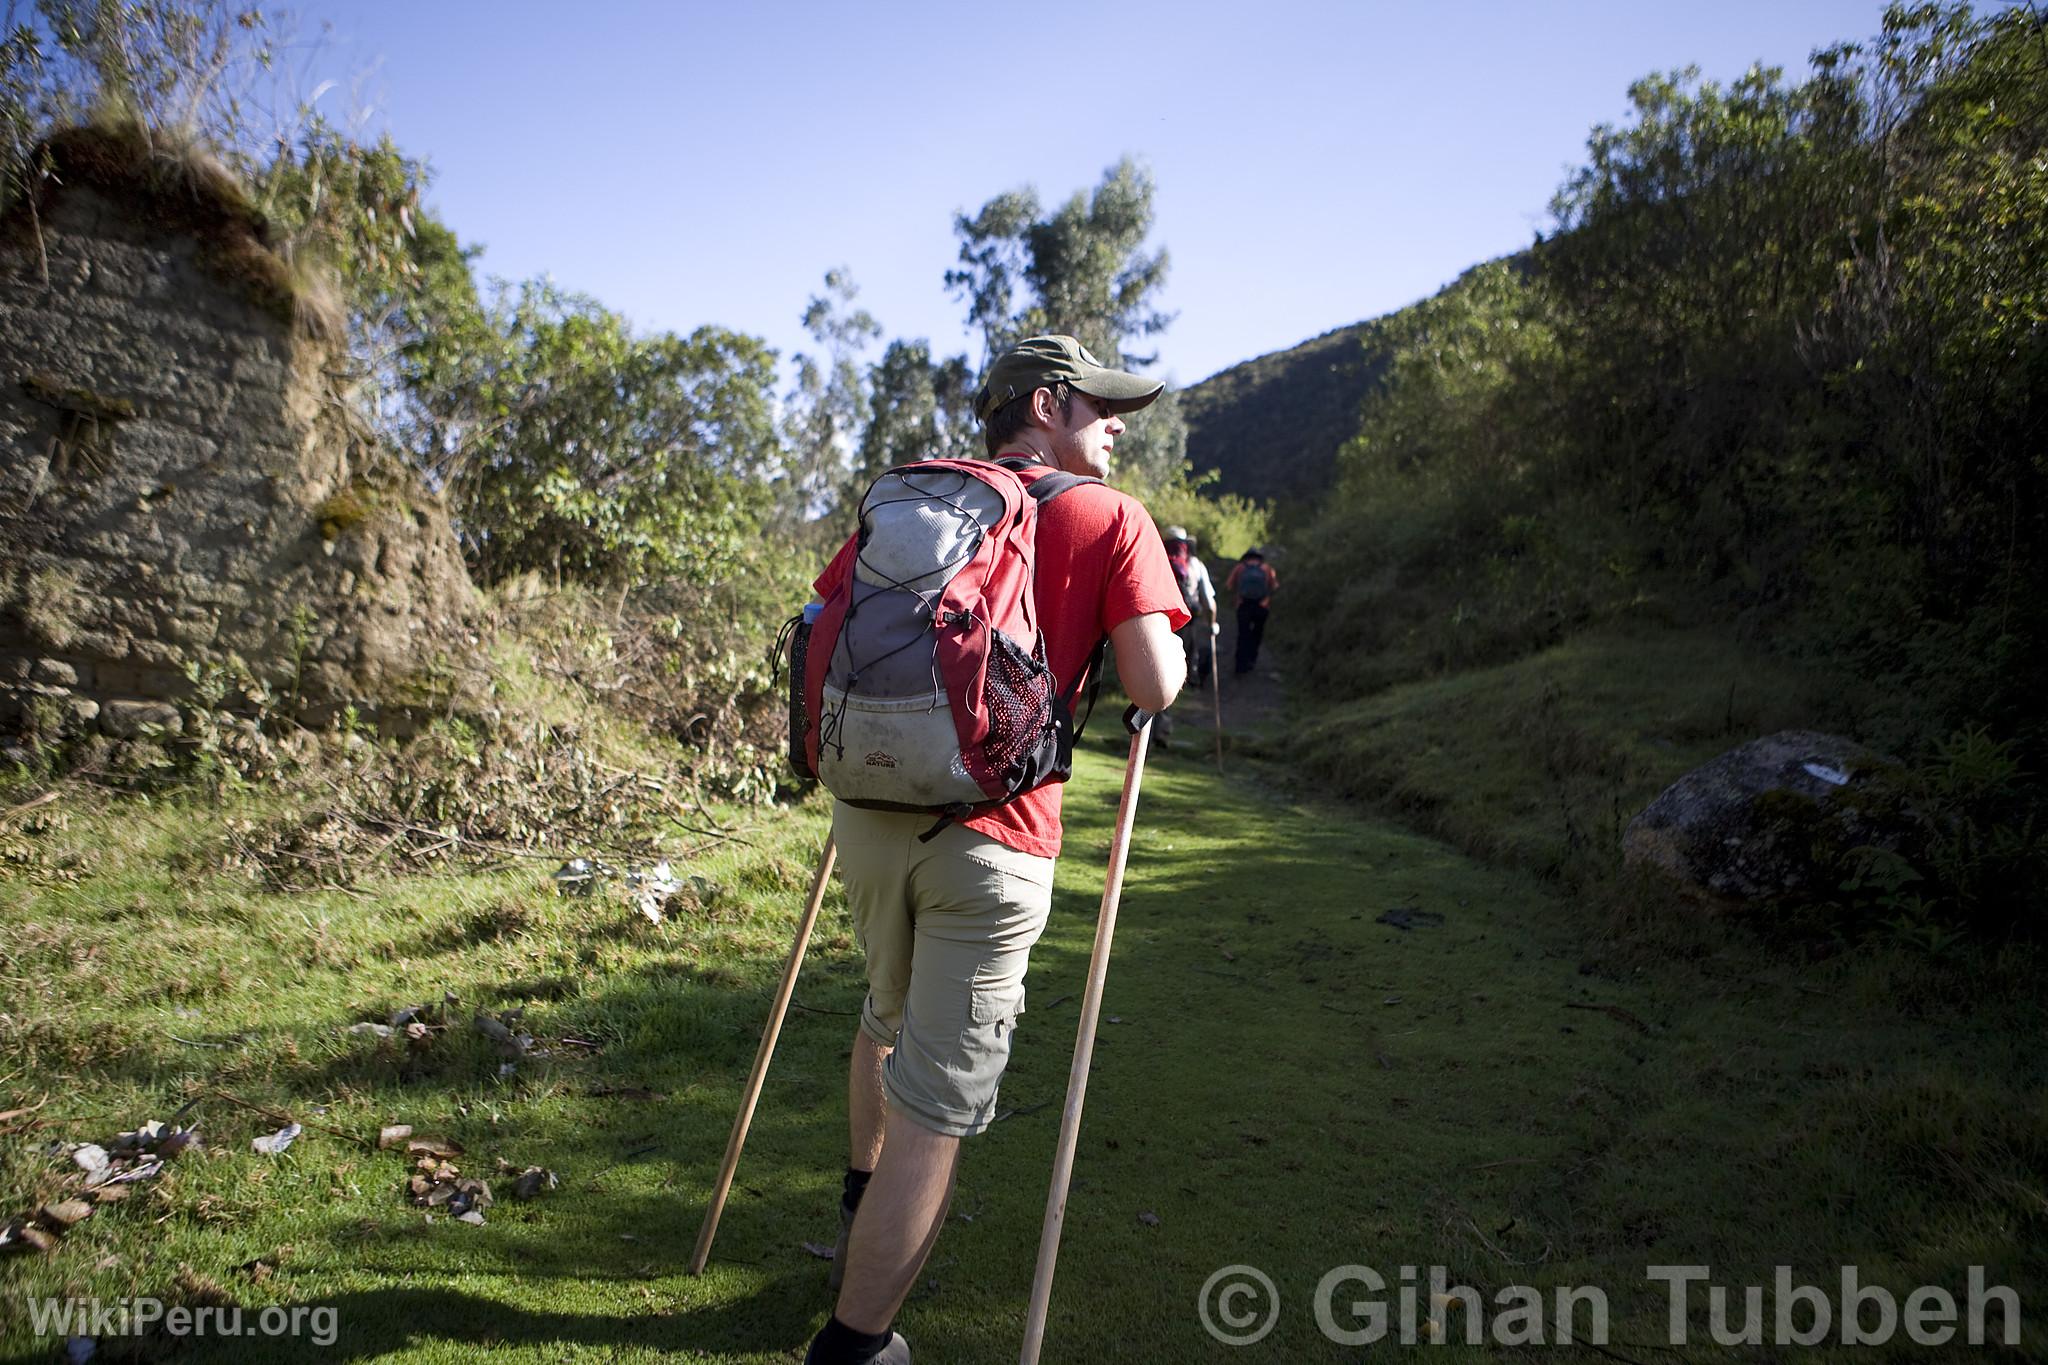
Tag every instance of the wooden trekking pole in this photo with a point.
(1138, 723)
(1216, 696)
(761, 1060)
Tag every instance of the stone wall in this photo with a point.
(183, 485)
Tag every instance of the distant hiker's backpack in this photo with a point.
(1184, 576)
(1254, 584)
(921, 683)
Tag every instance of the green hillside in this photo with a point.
(1754, 435)
(1271, 426)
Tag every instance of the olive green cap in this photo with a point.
(1041, 362)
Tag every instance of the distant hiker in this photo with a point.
(1198, 636)
(1198, 595)
(947, 916)
(1254, 582)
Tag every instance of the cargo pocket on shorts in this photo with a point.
(992, 1020)
(997, 1005)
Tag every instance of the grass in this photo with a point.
(1282, 1081)
(1538, 761)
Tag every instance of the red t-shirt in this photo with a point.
(1100, 563)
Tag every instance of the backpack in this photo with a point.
(921, 683)
(1184, 576)
(1254, 584)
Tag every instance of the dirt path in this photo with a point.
(1250, 703)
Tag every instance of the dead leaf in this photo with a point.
(499, 1031)
(392, 1134)
(473, 1218)
(111, 1194)
(1149, 1219)
(61, 1215)
(258, 1270)
(20, 1236)
(270, 1144)
(533, 1182)
(436, 1147)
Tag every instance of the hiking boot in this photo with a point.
(838, 1272)
(897, 1352)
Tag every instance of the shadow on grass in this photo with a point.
(380, 1323)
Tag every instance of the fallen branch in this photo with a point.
(194, 1042)
(9, 815)
(278, 1115)
(1506, 1259)
(1019, 1113)
(1612, 1012)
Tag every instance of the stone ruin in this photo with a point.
(184, 490)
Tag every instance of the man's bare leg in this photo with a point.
(900, 1217)
(867, 1108)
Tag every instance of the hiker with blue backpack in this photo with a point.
(1254, 582)
(940, 669)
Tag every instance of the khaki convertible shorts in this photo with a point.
(947, 927)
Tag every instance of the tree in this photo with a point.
(1085, 267)
(1083, 271)
(917, 408)
(826, 409)
(606, 457)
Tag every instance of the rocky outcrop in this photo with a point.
(1760, 821)
(181, 484)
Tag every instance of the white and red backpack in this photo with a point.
(921, 684)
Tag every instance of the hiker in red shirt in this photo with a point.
(1254, 582)
(948, 922)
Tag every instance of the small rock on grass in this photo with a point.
(393, 1134)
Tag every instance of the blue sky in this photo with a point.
(1317, 163)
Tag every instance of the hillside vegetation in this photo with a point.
(1271, 427)
(1779, 379)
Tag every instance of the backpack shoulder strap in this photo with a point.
(1046, 487)
(1043, 490)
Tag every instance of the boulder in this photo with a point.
(1759, 822)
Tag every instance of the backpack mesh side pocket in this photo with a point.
(1019, 695)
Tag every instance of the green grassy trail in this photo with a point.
(1281, 1082)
